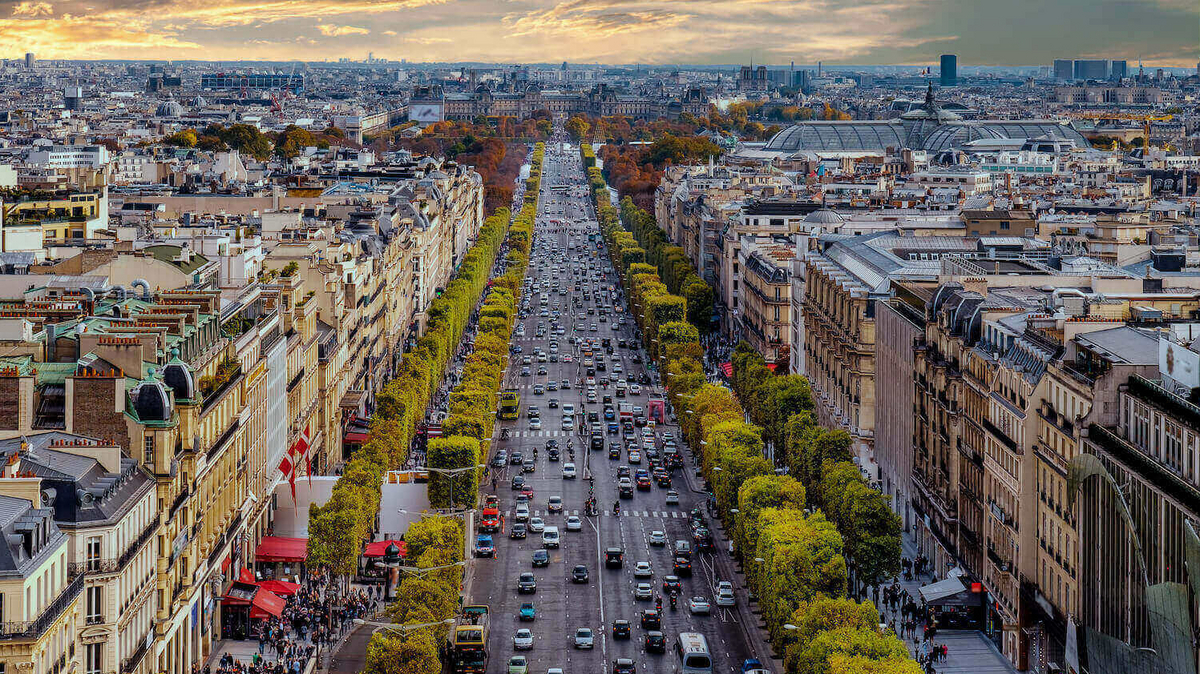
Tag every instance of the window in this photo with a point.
(93, 658)
(148, 444)
(95, 605)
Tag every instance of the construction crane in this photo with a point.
(1106, 115)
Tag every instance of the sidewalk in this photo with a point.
(968, 651)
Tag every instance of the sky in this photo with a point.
(659, 32)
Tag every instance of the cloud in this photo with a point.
(27, 8)
(984, 32)
(329, 30)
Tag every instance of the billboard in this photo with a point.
(1179, 366)
(425, 113)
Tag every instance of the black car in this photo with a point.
(552, 454)
(624, 666)
(579, 574)
(597, 440)
(518, 481)
(683, 566)
(518, 530)
(656, 642)
(620, 629)
(526, 583)
(614, 558)
(541, 558)
(515, 459)
(651, 619)
(622, 471)
(614, 452)
(671, 583)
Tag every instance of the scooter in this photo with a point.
(673, 602)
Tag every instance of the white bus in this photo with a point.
(692, 650)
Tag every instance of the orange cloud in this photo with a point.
(330, 30)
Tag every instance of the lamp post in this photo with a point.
(391, 562)
(400, 629)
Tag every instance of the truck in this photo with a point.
(625, 411)
(510, 404)
(467, 642)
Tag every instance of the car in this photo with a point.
(552, 403)
(554, 504)
(527, 491)
(635, 389)
(526, 583)
(500, 459)
(551, 385)
(625, 488)
(523, 639)
(643, 483)
(657, 538)
(624, 666)
(683, 566)
(550, 537)
(542, 370)
(568, 471)
(540, 558)
(568, 422)
(518, 481)
(517, 664)
(725, 595)
(584, 638)
(671, 584)
(656, 642)
(635, 457)
(565, 384)
(699, 606)
(518, 530)
(525, 372)
(579, 574)
(552, 454)
(643, 591)
(620, 629)
(527, 611)
(528, 466)
(651, 619)
(516, 458)
(535, 424)
(672, 497)
(613, 558)
(574, 523)
(538, 389)
(522, 513)
(484, 547)
(643, 570)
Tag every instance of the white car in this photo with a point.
(672, 498)
(699, 606)
(584, 638)
(536, 525)
(535, 424)
(635, 389)
(725, 594)
(568, 409)
(574, 523)
(569, 472)
(568, 422)
(658, 538)
(523, 639)
(643, 591)
(522, 513)
(643, 570)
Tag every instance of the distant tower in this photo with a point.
(29, 60)
(72, 97)
(949, 70)
(818, 69)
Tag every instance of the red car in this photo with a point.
(643, 483)
(527, 491)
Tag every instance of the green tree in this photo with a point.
(414, 652)
(449, 454)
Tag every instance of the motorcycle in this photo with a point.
(673, 601)
(617, 509)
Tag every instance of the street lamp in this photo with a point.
(391, 562)
(418, 570)
(790, 627)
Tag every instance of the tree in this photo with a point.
(437, 533)
(414, 652)
(453, 453)
(577, 127)
(185, 138)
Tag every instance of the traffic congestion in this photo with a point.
(593, 543)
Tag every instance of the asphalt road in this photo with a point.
(563, 606)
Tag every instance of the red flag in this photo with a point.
(288, 469)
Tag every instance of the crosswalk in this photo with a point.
(660, 514)
(541, 434)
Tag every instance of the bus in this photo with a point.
(510, 404)
(692, 651)
(467, 643)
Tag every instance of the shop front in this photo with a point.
(954, 605)
(244, 605)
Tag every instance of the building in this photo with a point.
(293, 82)
(29, 60)
(949, 70)
(69, 156)
(432, 104)
(1091, 69)
(1118, 70)
(765, 316)
(1064, 69)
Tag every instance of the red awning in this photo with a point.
(244, 576)
(772, 366)
(280, 587)
(355, 438)
(377, 548)
(279, 549)
(728, 368)
(266, 603)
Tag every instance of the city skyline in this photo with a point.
(701, 32)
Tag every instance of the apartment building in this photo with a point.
(764, 316)
(34, 223)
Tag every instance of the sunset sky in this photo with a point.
(981, 32)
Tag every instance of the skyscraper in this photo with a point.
(1064, 69)
(29, 60)
(1091, 69)
(949, 70)
(1119, 70)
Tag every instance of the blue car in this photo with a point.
(753, 666)
(484, 546)
(613, 428)
(528, 612)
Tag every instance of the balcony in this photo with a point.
(178, 502)
(32, 629)
(130, 664)
(1001, 436)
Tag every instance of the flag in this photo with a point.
(289, 471)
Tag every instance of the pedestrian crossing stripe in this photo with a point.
(661, 514)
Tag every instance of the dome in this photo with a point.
(199, 102)
(838, 136)
(825, 218)
(169, 108)
(178, 376)
(151, 401)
